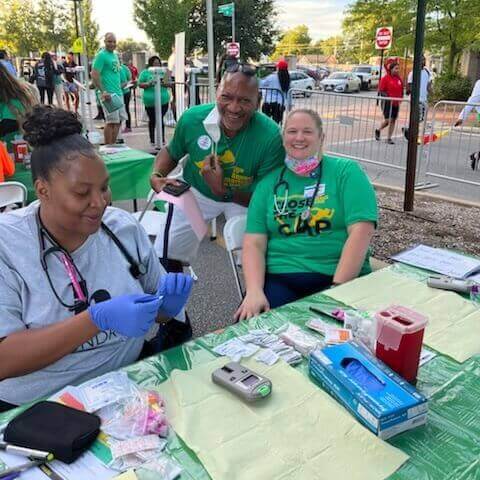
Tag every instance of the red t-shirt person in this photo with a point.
(392, 86)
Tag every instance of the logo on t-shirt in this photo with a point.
(296, 218)
(204, 142)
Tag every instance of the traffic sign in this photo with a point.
(227, 9)
(383, 38)
(233, 49)
(77, 46)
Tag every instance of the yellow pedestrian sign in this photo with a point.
(77, 46)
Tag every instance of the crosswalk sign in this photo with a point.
(77, 46)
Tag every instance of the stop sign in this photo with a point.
(233, 49)
(384, 37)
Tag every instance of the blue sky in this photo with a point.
(323, 17)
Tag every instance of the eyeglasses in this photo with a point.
(246, 68)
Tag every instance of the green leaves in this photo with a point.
(27, 26)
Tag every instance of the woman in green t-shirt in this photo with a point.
(309, 222)
(146, 81)
(15, 100)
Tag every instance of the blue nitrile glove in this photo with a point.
(175, 289)
(128, 315)
(363, 377)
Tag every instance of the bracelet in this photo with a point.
(158, 174)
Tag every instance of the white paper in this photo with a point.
(426, 356)
(439, 260)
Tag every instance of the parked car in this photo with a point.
(368, 74)
(301, 81)
(341, 82)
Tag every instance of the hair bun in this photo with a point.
(44, 125)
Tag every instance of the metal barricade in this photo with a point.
(453, 153)
(350, 122)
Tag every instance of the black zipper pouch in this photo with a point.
(55, 428)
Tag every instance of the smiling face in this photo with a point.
(75, 196)
(237, 100)
(301, 136)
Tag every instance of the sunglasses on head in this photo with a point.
(245, 68)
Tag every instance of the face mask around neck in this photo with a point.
(302, 167)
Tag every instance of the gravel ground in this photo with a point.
(434, 222)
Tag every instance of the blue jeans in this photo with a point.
(282, 288)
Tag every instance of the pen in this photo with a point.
(19, 469)
(26, 452)
(325, 312)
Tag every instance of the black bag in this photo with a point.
(55, 428)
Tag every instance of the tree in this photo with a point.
(295, 41)
(363, 17)
(255, 27)
(54, 24)
(129, 46)
(18, 27)
(453, 24)
(161, 20)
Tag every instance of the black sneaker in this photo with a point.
(390, 141)
(405, 132)
(474, 161)
(377, 134)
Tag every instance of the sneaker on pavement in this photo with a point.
(390, 141)
(377, 134)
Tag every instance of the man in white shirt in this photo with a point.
(425, 89)
(474, 98)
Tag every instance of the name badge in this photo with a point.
(309, 191)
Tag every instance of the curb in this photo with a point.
(431, 196)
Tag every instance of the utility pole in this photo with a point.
(85, 63)
(211, 53)
(414, 109)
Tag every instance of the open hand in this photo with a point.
(253, 304)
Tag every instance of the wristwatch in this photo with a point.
(158, 174)
(228, 195)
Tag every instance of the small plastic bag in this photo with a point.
(302, 341)
(141, 413)
(161, 468)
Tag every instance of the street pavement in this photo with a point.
(350, 121)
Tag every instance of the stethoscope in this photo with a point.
(136, 269)
(281, 208)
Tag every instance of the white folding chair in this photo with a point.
(233, 233)
(12, 192)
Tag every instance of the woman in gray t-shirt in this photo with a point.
(81, 286)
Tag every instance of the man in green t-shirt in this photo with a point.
(223, 175)
(106, 77)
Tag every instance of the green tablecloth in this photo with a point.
(448, 447)
(129, 175)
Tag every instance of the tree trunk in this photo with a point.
(453, 59)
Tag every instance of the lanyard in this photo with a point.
(73, 277)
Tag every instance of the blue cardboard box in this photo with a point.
(379, 398)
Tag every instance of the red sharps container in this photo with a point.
(399, 339)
